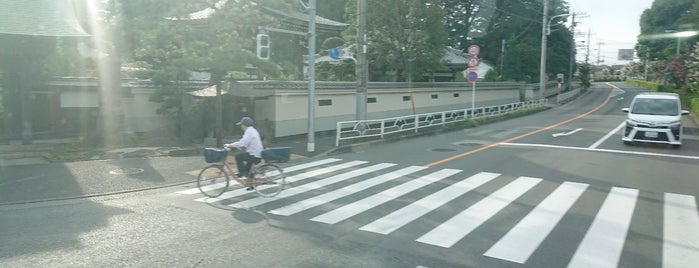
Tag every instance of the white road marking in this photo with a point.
(604, 241)
(680, 231)
(448, 233)
(600, 141)
(566, 133)
(417, 209)
(523, 239)
(599, 150)
(342, 192)
(349, 210)
(311, 186)
(287, 169)
(288, 180)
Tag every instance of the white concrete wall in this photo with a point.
(291, 114)
(140, 114)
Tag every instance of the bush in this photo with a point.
(665, 88)
(694, 106)
(644, 84)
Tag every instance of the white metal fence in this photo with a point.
(379, 128)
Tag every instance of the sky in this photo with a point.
(614, 23)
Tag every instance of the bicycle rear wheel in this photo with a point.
(212, 181)
(269, 180)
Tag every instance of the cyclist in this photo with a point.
(253, 147)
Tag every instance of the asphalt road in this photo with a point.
(553, 189)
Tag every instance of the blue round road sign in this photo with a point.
(472, 76)
(473, 50)
(334, 53)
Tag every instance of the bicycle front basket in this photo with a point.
(213, 155)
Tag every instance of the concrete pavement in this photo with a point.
(30, 173)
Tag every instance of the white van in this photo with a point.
(654, 117)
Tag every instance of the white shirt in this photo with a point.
(251, 141)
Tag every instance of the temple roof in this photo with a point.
(39, 18)
(293, 19)
(299, 20)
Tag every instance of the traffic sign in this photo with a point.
(334, 53)
(473, 50)
(473, 62)
(472, 76)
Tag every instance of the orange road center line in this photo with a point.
(442, 161)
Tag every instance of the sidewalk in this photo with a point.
(28, 175)
(40, 151)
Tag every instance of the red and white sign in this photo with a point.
(473, 50)
(473, 62)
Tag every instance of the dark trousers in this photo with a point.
(244, 161)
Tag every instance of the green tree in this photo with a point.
(333, 9)
(461, 19)
(664, 15)
(519, 24)
(169, 40)
(585, 70)
(406, 38)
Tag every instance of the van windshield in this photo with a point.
(655, 107)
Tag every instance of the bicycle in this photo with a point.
(265, 178)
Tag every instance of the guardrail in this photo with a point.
(349, 130)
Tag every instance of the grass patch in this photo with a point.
(471, 123)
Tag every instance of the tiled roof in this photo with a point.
(298, 19)
(299, 16)
(39, 17)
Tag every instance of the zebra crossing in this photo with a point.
(601, 246)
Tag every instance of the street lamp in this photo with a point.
(548, 25)
(679, 35)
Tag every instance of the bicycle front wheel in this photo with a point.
(212, 181)
(269, 180)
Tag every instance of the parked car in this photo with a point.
(654, 117)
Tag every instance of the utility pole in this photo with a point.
(310, 147)
(573, 49)
(572, 53)
(599, 52)
(542, 67)
(645, 69)
(362, 66)
(502, 58)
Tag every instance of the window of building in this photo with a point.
(406, 98)
(435, 96)
(371, 100)
(325, 102)
(456, 95)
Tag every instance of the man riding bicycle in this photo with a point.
(253, 147)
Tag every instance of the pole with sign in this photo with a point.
(472, 75)
(559, 79)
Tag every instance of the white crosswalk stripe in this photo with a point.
(604, 241)
(342, 192)
(456, 228)
(521, 241)
(365, 204)
(681, 231)
(315, 184)
(311, 186)
(407, 214)
(287, 169)
(302, 176)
